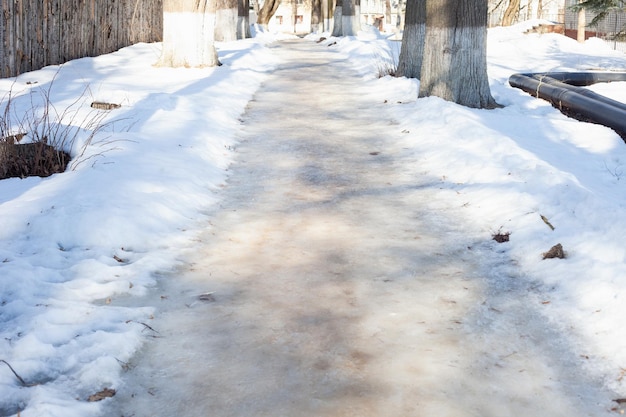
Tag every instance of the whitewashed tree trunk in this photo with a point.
(350, 17)
(188, 34)
(412, 50)
(226, 17)
(455, 53)
(337, 19)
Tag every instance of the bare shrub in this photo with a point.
(42, 140)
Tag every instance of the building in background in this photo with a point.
(292, 16)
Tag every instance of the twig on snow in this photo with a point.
(143, 324)
(17, 375)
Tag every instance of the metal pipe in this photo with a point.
(563, 91)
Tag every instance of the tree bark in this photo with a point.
(243, 19)
(267, 12)
(188, 34)
(511, 13)
(412, 50)
(455, 53)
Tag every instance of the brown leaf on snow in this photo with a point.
(99, 396)
(501, 237)
(555, 252)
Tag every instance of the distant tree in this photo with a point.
(337, 29)
(454, 65)
(243, 19)
(226, 17)
(294, 15)
(412, 49)
(511, 13)
(188, 34)
(316, 16)
(539, 9)
(267, 12)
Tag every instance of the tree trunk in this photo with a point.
(267, 12)
(226, 17)
(294, 15)
(455, 53)
(243, 19)
(337, 19)
(350, 17)
(188, 34)
(539, 9)
(316, 16)
(412, 50)
(511, 13)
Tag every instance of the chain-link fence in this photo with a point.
(612, 28)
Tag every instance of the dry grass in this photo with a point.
(43, 140)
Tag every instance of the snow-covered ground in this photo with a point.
(75, 248)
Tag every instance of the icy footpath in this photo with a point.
(76, 247)
(335, 280)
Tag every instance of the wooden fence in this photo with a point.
(36, 33)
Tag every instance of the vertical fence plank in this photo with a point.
(34, 34)
(53, 47)
(6, 41)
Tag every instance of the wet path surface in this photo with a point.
(337, 288)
